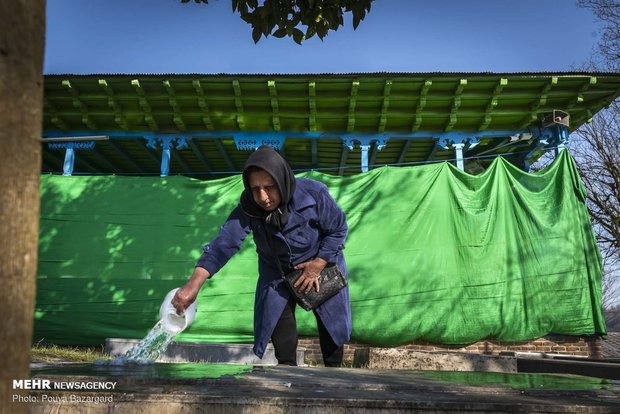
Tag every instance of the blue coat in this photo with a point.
(316, 227)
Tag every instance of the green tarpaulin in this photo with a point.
(434, 254)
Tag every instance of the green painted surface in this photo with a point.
(433, 254)
(157, 370)
(523, 381)
(196, 371)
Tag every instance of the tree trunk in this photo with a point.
(21, 89)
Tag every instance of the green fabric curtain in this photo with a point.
(434, 254)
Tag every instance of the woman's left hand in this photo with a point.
(310, 277)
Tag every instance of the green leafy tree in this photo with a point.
(280, 18)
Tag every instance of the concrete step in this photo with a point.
(391, 358)
(203, 352)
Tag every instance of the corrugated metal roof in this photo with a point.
(560, 73)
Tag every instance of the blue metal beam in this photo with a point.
(279, 136)
(45, 165)
(200, 155)
(152, 154)
(105, 162)
(57, 159)
(120, 151)
(431, 154)
(403, 151)
(315, 150)
(224, 154)
(79, 159)
(282, 151)
(179, 159)
(343, 159)
(373, 154)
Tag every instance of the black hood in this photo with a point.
(268, 159)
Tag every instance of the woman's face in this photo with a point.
(264, 190)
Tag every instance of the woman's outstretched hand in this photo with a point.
(186, 295)
(310, 276)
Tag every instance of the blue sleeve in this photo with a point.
(228, 242)
(334, 227)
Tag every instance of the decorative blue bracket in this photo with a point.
(167, 142)
(449, 139)
(70, 147)
(554, 136)
(250, 141)
(88, 145)
(348, 140)
(460, 143)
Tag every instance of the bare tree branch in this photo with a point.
(608, 12)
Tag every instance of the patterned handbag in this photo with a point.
(331, 281)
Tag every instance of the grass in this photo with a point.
(56, 353)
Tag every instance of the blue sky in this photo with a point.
(165, 36)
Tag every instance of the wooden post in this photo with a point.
(21, 115)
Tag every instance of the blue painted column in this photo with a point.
(460, 163)
(70, 147)
(364, 160)
(165, 160)
(365, 141)
(166, 141)
(562, 133)
(67, 168)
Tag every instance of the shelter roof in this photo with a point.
(401, 117)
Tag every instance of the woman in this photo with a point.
(300, 224)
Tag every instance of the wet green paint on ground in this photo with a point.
(157, 370)
(520, 381)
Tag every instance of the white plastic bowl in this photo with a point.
(171, 322)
